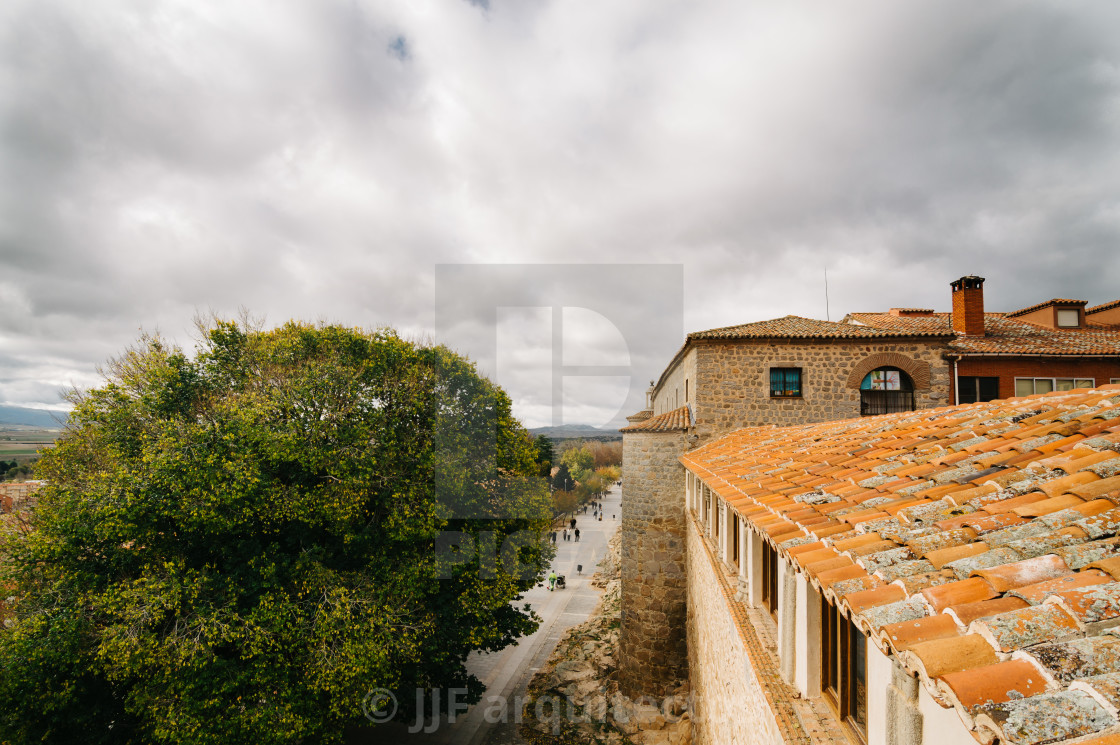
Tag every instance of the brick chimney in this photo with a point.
(968, 306)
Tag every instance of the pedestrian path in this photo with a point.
(507, 673)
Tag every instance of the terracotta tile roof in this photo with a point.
(670, 421)
(1004, 335)
(997, 585)
(1044, 304)
(797, 327)
(1103, 306)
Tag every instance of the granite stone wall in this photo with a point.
(733, 381)
(729, 704)
(678, 386)
(653, 658)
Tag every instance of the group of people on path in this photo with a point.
(568, 534)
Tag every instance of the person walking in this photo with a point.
(577, 535)
(565, 534)
(552, 580)
(554, 536)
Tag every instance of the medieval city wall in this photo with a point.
(653, 659)
(728, 701)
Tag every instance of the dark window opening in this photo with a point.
(785, 382)
(886, 390)
(976, 389)
(735, 542)
(770, 580)
(844, 669)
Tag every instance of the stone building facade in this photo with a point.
(734, 377)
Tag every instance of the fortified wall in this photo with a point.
(654, 657)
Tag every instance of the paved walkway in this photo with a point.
(507, 673)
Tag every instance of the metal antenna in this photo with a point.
(827, 315)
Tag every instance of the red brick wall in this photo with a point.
(968, 311)
(1009, 368)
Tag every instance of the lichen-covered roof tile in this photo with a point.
(903, 610)
(1048, 717)
(1092, 604)
(996, 557)
(1079, 658)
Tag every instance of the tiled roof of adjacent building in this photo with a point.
(1103, 306)
(978, 544)
(670, 421)
(810, 328)
(1004, 335)
(1044, 304)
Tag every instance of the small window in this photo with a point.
(1068, 318)
(1027, 386)
(886, 390)
(1114, 381)
(844, 668)
(976, 389)
(686, 390)
(785, 382)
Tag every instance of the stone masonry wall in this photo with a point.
(670, 394)
(653, 659)
(728, 702)
(733, 386)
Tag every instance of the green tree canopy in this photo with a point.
(579, 461)
(544, 456)
(235, 547)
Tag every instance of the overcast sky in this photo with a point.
(320, 160)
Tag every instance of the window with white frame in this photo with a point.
(1028, 386)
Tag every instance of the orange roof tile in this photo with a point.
(670, 421)
(1003, 335)
(1016, 567)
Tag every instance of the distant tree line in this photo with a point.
(11, 470)
(586, 471)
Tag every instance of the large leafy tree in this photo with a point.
(235, 546)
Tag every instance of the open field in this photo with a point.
(23, 443)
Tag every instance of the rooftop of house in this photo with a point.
(1103, 307)
(978, 544)
(811, 328)
(670, 421)
(1002, 334)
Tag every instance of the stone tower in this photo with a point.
(653, 655)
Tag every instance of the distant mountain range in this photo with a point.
(41, 418)
(573, 431)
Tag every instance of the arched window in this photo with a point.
(886, 390)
